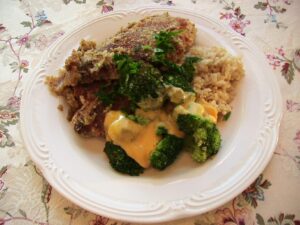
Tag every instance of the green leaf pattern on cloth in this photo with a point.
(5, 137)
(235, 17)
(256, 191)
(8, 116)
(281, 219)
(273, 8)
(288, 64)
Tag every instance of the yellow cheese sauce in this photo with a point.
(138, 141)
(205, 109)
(210, 112)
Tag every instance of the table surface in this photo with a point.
(29, 27)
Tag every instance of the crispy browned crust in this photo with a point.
(88, 66)
(131, 39)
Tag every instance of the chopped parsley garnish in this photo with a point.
(188, 69)
(177, 75)
(165, 41)
(107, 93)
(178, 81)
(139, 80)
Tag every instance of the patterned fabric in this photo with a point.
(29, 27)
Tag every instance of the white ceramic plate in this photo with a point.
(79, 170)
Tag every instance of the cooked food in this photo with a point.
(167, 150)
(135, 39)
(202, 136)
(217, 75)
(120, 161)
(150, 93)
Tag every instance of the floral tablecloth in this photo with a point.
(29, 27)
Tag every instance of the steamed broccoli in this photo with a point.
(120, 161)
(203, 137)
(138, 80)
(188, 123)
(177, 75)
(166, 150)
(161, 131)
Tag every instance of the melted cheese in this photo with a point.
(178, 96)
(211, 112)
(138, 141)
(205, 109)
(161, 118)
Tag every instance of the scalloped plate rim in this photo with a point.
(49, 174)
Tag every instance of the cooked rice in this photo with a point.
(216, 77)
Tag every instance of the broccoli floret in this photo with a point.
(203, 137)
(188, 123)
(138, 80)
(120, 161)
(199, 155)
(161, 131)
(214, 140)
(196, 150)
(166, 150)
(179, 76)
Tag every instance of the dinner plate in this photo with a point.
(78, 169)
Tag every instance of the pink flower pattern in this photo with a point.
(106, 5)
(272, 10)
(297, 139)
(239, 25)
(274, 61)
(226, 15)
(23, 40)
(292, 106)
(236, 19)
(99, 220)
(2, 28)
(287, 65)
(19, 65)
(234, 216)
(24, 63)
(14, 102)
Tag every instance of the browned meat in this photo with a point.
(88, 120)
(78, 81)
(88, 66)
(132, 39)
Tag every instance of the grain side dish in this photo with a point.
(150, 93)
